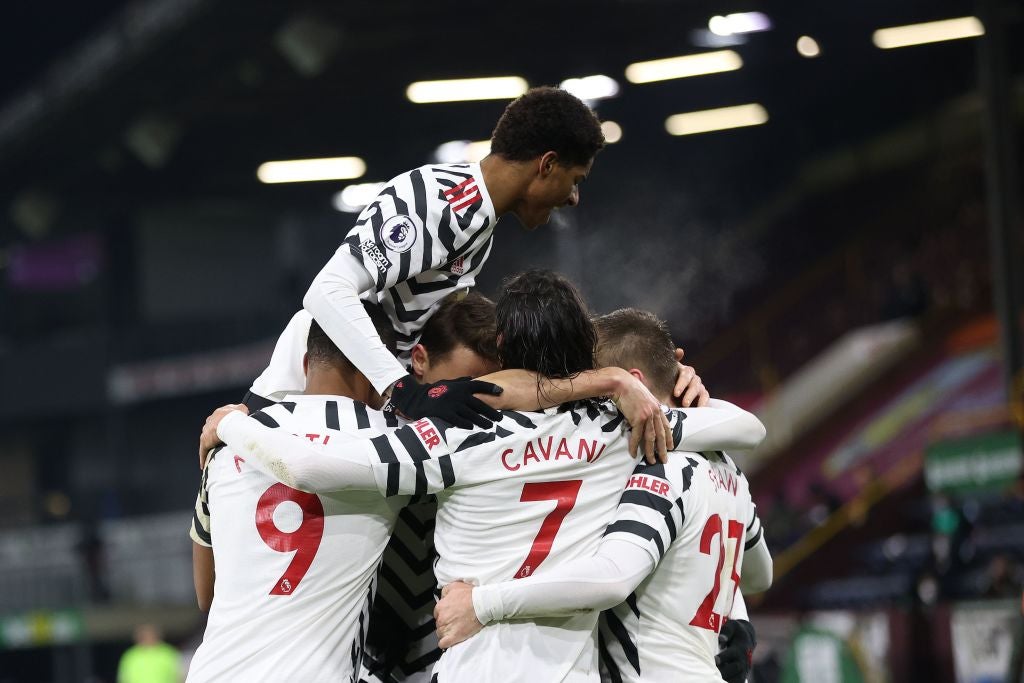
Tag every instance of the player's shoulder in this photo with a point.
(678, 470)
(447, 173)
(434, 177)
(729, 463)
(275, 415)
(597, 413)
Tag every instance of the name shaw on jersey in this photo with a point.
(547, 449)
(723, 481)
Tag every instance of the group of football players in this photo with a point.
(425, 485)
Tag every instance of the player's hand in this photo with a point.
(451, 400)
(689, 388)
(737, 641)
(208, 439)
(647, 420)
(455, 616)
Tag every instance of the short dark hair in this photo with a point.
(321, 349)
(544, 326)
(548, 119)
(461, 319)
(630, 338)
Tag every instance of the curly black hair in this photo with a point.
(548, 119)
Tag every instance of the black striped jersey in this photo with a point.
(534, 491)
(695, 517)
(401, 645)
(426, 235)
(294, 571)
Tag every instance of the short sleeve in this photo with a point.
(651, 513)
(200, 530)
(413, 460)
(396, 235)
(754, 531)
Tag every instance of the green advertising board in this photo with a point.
(979, 463)
(36, 629)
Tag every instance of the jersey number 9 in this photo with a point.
(304, 541)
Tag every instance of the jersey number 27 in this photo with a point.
(706, 616)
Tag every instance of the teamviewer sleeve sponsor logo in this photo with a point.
(376, 255)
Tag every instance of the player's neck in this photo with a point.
(329, 381)
(505, 181)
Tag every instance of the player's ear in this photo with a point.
(638, 373)
(420, 361)
(305, 364)
(547, 163)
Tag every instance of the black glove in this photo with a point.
(738, 641)
(450, 400)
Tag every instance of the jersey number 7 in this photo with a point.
(564, 494)
(304, 541)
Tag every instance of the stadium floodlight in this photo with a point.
(466, 89)
(590, 88)
(461, 151)
(683, 67)
(478, 150)
(306, 170)
(353, 198)
(612, 132)
(739, 23)
(929, 32)
(708, 120)
(808, 47)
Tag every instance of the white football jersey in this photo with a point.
(294, 571)
(426, 235)
(694, 515)
(534, 491)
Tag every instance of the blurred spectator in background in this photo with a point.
(906, 296)
(823, 504)
(91, 552)
(1002, 578)
(819, 655)
(948, 531)
(781, 524)
(150, 660)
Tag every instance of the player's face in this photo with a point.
(459, 362)
(555, 186)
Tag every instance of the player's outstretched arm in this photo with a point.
(526, 390)
(294, 461)
(333, 301)
(588, 583)
(719, 426)
(414, 459)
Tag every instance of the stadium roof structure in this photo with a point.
(110, 106)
